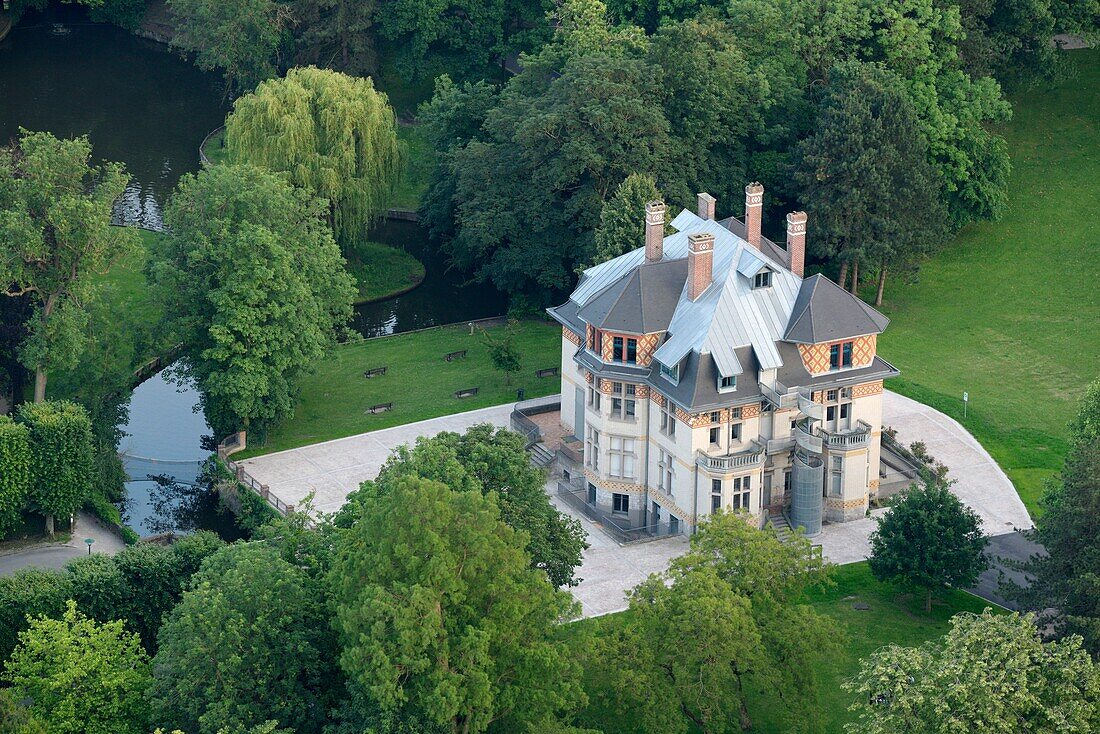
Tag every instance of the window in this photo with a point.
(840, 355)
(837, 470)
(672, 374)
(763, 279)
(794, 424)
(715, 435)
(741, 491)
(735, 414)
(830, 413)
(622, 401)
(591, 493)
(594, 340)
(830, 395)
(664, 472)
(846, 392)
(727, 384)
(593, 398)
(668, 419)
(592, 449)
(715, 416)
(735, 432)
(845, 410)
(787, 481)
(621, 456)
(620, 503)
(715, 495)
(624, 350)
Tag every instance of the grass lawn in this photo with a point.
(418, 382)
(125, 286)
(215, 148)
(894, 617)
(1010, 311)
(381, 271)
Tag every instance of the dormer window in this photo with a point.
(727, 384)
(624, 349)
(763, 279)
(840, 355)
(672, 374)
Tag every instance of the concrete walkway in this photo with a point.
(56, 555)
(334, 468)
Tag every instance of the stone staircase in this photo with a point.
(540, 454)
(778, 521)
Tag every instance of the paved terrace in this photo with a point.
(332, 469)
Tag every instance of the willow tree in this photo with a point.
(333, 134)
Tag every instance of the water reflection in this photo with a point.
(138, 102)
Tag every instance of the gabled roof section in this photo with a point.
(825, 312)
(640, 302)
(749, 264)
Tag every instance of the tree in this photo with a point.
(254, 285)
(16, 717)
(929, 540)
(1065, 581)
(489, 460)
(248, 642)
(240, 37)
(332, 134)
(438, 609)
(527, 197)
(727, 618)
(337, 34)
(503, 352)
(83, 677)
(622, 218)
(55, 216)
(991, 673)
(864, 175)
(62, 457)
(16, 477)
(30, 592)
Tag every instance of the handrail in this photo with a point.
(742, 460)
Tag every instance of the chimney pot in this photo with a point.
(754, 206)
(706, 205)
(654, 231)
(796, 242)
(700, 263)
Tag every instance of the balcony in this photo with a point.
(783, 397)
(855, 438)
(750, 459)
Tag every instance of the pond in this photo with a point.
(144, 105)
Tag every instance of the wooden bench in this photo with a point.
(548, 372)
(376, 372)
(452, 356)
(380, 408)
(467, 393)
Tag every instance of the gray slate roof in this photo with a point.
(825, 312)
(641, 302)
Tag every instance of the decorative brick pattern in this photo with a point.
(647, 345)
(608, 347)
(750, 411)
(657, 398)
(568, 334)
(870, 388)
(605, 386)
(873, 484)
(668, 504)
(587, 376)
(612, 485)
(838, 504)
(815, 357)
(641, 391)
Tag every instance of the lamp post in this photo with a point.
(88, 542)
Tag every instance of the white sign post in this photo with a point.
(966, 399)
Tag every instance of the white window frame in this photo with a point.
(668, 419)
(727, 388)
(622, 461)
(624, 404)
(623, 501)
(763, 279)
(672, 374)
(592, 449)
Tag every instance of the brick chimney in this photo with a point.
(654, 231)
(700, 262)
(796, 242)
(754, 207)
(706, 206)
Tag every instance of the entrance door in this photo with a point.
(767, 489)
(656, 522)
(578, 414)
(591, 493)
(673, 525)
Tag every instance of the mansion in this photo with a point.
(704, 372)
